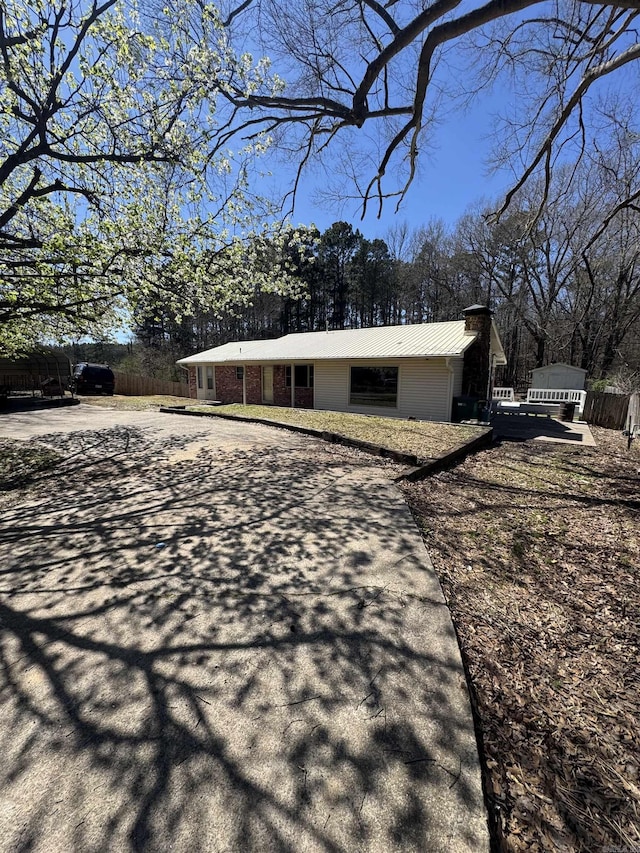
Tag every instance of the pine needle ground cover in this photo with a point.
(537, 547)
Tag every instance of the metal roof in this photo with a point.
(558, 364)
(413, 341)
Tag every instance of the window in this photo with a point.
(209, 378)
(199, 377)
(303, 375)
(374, 386)
(240, 373)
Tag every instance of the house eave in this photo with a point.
(240, 360)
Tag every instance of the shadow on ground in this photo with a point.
(517, 427)
(226, 652)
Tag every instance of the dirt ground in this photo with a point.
(537, 547)
(221, 637)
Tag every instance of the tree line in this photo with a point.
(554, 297)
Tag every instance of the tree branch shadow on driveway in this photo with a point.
(227, 653)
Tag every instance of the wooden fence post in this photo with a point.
(633, 419)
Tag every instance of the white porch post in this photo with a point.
(244, 384)
(293, 386)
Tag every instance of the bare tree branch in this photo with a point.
(632, 53)
(382, 13)
(576, 41)
(235, 12)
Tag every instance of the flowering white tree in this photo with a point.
(109, 190)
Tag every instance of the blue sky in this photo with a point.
(453, 175)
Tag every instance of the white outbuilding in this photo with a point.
(559, 375)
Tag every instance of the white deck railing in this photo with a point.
(503, 394)
(557, 395)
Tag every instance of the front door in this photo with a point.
(267, 384)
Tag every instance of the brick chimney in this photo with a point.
(477, 359)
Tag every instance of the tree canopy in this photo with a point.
(109, 191)
(553, 300)
(129, 133)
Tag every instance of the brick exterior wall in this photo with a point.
(477, 359)
(282, 394)
(253, 380)
(228, 387)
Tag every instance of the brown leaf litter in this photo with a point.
(538, 551)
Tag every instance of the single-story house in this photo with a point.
(396, 371)
(559, 375)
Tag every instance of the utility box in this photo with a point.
(467, 409)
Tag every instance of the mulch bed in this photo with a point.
(537, 547)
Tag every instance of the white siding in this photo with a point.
(331, 385)
(423, 387)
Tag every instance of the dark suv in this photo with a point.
(92, 379)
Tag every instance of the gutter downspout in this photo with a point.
(492, 367)
(449, 367)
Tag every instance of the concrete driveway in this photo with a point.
(223, 637)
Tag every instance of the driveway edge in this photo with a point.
(37, 404)
(445, 459)
(418, 471)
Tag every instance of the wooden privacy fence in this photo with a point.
(606, 410)
(633, 415)
(142, 386)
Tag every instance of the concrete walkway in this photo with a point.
(223, 637)
(517, 427)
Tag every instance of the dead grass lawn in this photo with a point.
(422, 438)
(20, 463)
(119, 401)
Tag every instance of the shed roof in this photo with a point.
(559, 364)
(413, 341)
